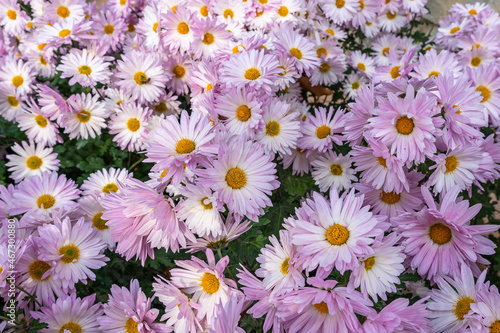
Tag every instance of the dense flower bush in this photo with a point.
(249, 166)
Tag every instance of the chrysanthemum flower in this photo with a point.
(179, 30)
(65, 33)
(74, 249)
(105, 181)
(52, 103)
(64, 11)
(84, 67)
(392, 21)
(110, 28)
(450, 305)
(141, 75)
(431, 64)
(486, 80)
(322, 130)
(205, 282)
(42, 65)
(336, 233)
(150, 26)
(17, 74)
(129, 310)
(406, 125)
(176, 144)
(31, 160)
(378, 273)
(300, 160)
(69, 313)
(11, 104)
(243, 176)
(12, 18)
(341, 11)
(228, 316)
(487, 307)
(227, 10)
(45, 193)
(281, 128)
(330, 71)
(130, 126)
(92, 210)
(333, 171)
(362, 62)
(209, 36)
(38, 128)
(298, 48)
(180, 66)
(439, 239)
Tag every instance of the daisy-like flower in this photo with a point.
(44, 194)
(92, 210)
(323, 307)
(330, 71)
(206, 282)
(228, 10)
(487, 306)
(11, 105)
(486, 80)
(228, 315)
(336, 233)
(406, 125)
(180, 67)
(253, 69)
(175, 145)
(432, 64)
(282, 128)
(476, 57)
(281, 274)
(242, 110)
(37, 127)
(333, 171)
(87, 117)
(322, 130)
(65, 33)
(244, 176)
(439, 239)
(64, 11)
(130, 126)
(12, 18)
(18, 75)
(341, 11)
(392, 21)
(150, 26)
(179, 30)
(110, 28)
(457, 167)
(69, 313)
(74, 249)
(84, 67)
(41, 64)
(105, 181)
(377, 274)
(298, 48)
(200, 211)
(129, 310)
(31, 160)
(209, 36)
(450, 305)
(141, 75)
(362, 62)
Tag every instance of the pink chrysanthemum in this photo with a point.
(322, 130)
(130, 126)
(84, 67)
(31, 160)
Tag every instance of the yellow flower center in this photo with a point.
(163, 173)
(336, 169)
(72, 327)
(111, 187)
(140, 78)
(208, 38)
(183, 28)
(71, 253)
(161, 107)
(472, 11)
(209, 283)
(285, 267)
(462, 307)
(155, 27)
(283, 11)
(133, 124)
(131, 326)
(273, 128)
(385, 51)
(37, 269)
(321, 51)
(206, 206)
(46, 200)
(83, 116)
(439, 233)
(85, 70)
(296, 53)
(174, 9)
(451, 164)
(321, 307)
(361, 5)
(361, 66)
(17, 81)
(263, 1)
(434, 73)
(64, 33)
(485, 92)
(204, 11)
(330, 31)
(12, 14)
(130, 27)
(453, 30)
(405, 125)
(34, 162)
(355, 85)
(228, 12)
(12, 101)
(179, 71)
(41, 121)
(323, 131)
(340, 3)
(391, 15)
(324, 68)
(495, 327)
(41, 46)
(63, 11)
(29, 25)
(209, 87)
(390, 198)
(337, 234)
(476, 61)
(98, 222)
(43, 61)
(252, 74)
(123, 2)
(382, 161)
(243, 113)
(395, 72)
(369, 263)
(109, 29)
(236, 178)
(185, 146)
(258, 14)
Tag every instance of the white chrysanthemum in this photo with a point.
(105, 181)
(84, 67)
(92, 210)
(10, 104)
(332, 170)
(88, 117)
(130, 126)
(31, 160)
(17, 74)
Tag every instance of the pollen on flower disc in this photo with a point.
(405, 125)
(323, 131)
(272, 128)
(451, 164)
(462, 307)
(41, 121)
(17, 81)
(236, 178)
(209, 283)
(98, 222)
(439, 233)
(369, 263)
(72, 327)
(133, 124)
(285, 266)
(321, 307)
(296, 53)
(243, 113)
(34, 162)
(46, 200)
(337, 234)
(185, 146)
(131, 326)
(37, 269)
(83, 116)
(71, 253)
(63, 11)
(111, 187)
(336, 169)
(252, 74)
(390, 198)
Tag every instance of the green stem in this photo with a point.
(30, 295)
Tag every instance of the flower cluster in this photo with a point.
(221, 99)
